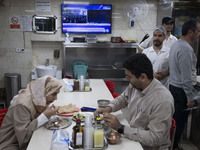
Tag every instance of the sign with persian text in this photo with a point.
(43, 5)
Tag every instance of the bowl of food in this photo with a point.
(113, 137)
(103, 103)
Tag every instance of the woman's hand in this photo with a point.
(50, 111)
(111, 120)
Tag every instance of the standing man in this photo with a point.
(158, 54)
(168, 23)
(149, 104)
(182, 64)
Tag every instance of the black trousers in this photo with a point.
(180, 116)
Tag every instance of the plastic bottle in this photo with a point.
(87, 83)
(67, 39)
(60, 140)
(76, 83)
(88, 133)
(98, 134)
(77, 134)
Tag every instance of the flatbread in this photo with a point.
(67, 108)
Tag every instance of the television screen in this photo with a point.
(86, 18)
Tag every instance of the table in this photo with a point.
(41, 138)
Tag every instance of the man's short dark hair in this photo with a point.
(190, 24)
(167, 20)
(138, 64)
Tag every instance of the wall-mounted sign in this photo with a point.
(14, 22)
(20, 23)
(43, 5)
(45, 24)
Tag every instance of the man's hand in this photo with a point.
(139, 49)
(111, 120)
(50, 111)
(161, 75)
(102, 110)
(156, 75)
(190, 104)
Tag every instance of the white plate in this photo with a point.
(68, 123)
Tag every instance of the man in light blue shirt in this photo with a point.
(182, 64)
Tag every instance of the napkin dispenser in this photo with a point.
(91, 39)
(79, 39)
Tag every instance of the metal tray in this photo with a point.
(84, 114)
(82, 91)
(103, 148)
(69, 122)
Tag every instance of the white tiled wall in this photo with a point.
(45, 50)
(39, 47)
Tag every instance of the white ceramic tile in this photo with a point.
(41, 46)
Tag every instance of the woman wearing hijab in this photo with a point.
(28, 111)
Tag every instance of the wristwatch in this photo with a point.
(121, 129)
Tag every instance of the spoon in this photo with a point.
(57, 121)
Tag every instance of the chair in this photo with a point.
(115, 95)
(110, 86)
(2, 115)
(172, 133)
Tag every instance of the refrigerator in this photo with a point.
(182, 11)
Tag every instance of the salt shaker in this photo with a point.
(87, 83)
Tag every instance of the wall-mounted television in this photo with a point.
(86, 18)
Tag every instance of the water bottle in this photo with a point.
(67, 39)
(60, 140)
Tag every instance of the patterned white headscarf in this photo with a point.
(35, 93)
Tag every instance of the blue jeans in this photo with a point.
(180, 116)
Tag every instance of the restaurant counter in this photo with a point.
(42, 137)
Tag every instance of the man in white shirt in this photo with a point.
(149, 104)
(158, 54)
(168, 23)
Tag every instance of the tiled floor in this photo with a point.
(187, 145)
